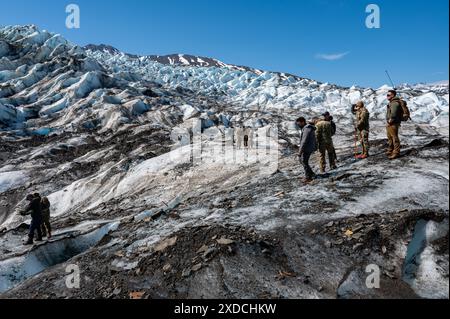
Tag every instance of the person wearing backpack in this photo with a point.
(327, 116)
(396, 113)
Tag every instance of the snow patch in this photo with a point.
(13, 179)
(422, 270)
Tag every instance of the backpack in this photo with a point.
(333, 128)
(45, 203)
(406, 114)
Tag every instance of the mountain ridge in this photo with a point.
(170, 59)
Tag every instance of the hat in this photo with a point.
(326, 114)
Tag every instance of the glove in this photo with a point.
(23, 213)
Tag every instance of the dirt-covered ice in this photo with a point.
(153, 191)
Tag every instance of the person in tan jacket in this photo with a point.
(362, 129)
(393, 120)
(324, 136)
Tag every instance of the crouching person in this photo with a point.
(46, 228)
(308, 146)
(33, 209)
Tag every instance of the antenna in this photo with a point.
(390, 79)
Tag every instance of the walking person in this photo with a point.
(308, 146)
(33, 209)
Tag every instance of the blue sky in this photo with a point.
(326, 40)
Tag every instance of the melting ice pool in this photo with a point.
(15, 270)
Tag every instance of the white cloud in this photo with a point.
(331, 57)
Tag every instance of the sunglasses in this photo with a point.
(389, 95)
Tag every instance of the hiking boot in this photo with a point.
(39, 239)
(28, 242)
(307, 180)
(49, 235)
(363, 156)
(333, 167)
(394, 156)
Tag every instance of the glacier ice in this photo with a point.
(108, 135)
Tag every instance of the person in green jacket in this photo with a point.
(393, 121)
(362, 129)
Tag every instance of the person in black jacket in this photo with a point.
(308, 145)
(34, 209)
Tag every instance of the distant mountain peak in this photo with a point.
(102, 48)
(187, 60)
(175, 59)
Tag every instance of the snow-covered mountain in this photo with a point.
(113, 140)
(170, 59)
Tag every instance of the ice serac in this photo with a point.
(156, 144)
